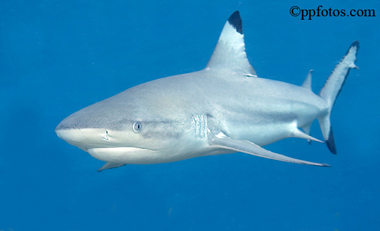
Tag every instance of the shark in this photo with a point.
(224, 108)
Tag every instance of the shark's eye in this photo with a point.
(137, 126)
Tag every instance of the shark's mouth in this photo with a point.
(126, 155)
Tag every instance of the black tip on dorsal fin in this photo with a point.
(235, 21)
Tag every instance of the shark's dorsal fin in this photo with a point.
(230, 53)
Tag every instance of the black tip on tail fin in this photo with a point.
(331, 143)
(235, 21)
(354, 44)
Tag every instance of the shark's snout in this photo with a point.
(67, 131)
(83, 138)
(70, 135)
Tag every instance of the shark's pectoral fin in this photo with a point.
(109, 165)
(222, 141)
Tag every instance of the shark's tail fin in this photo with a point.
(332, 88)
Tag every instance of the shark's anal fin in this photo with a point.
(248, 147)
(109, 165)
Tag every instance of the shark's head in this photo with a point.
(133, 127)
(163, 120)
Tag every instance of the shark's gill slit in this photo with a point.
(200, 126)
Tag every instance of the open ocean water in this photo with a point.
(57, 57)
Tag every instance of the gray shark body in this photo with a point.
(224, 108)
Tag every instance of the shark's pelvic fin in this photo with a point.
(299, 134)
(306, 129)
(332, 88)
(307, 82)
(222, 141)
(230, 53)
(109, 165)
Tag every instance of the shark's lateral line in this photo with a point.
(224, 108)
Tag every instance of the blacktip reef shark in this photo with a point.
(224, 108)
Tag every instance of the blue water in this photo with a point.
(57, 57)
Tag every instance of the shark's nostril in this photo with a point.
(105, 136)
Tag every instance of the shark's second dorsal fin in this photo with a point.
(230, 53)
(307, 83)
